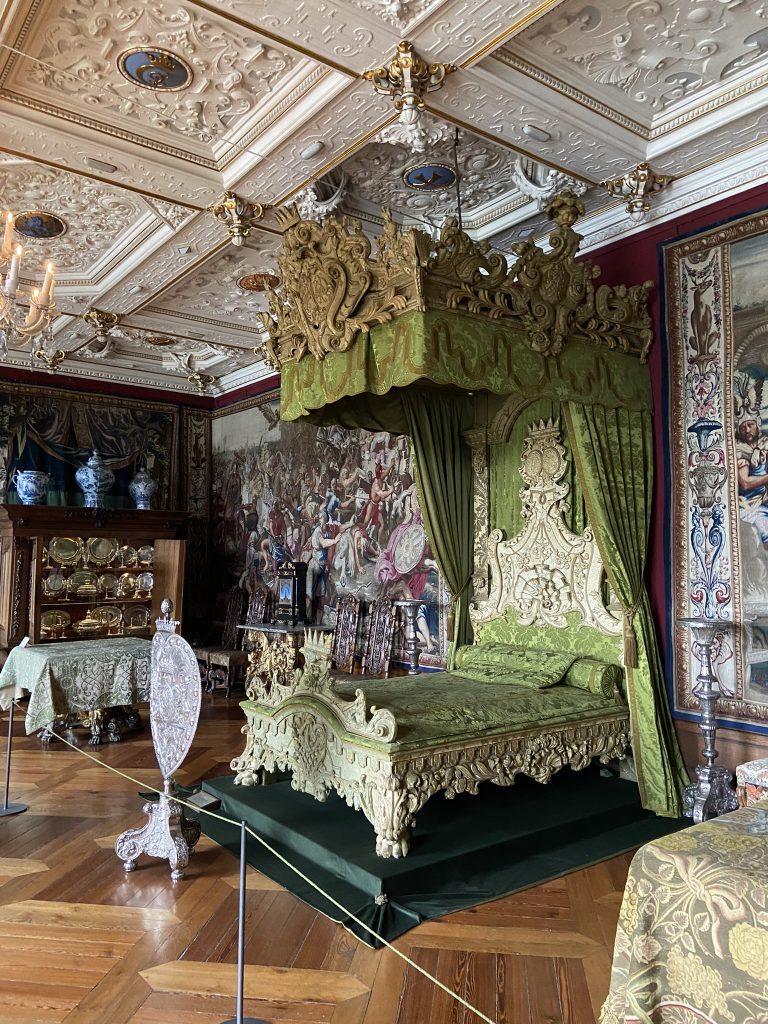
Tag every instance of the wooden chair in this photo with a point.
(256, 615)
(222, 660)
(378, 643)
(345, 634)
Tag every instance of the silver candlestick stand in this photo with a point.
(411, 609)
(712, 794)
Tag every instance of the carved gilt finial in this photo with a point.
(239, 215)
(407, 79)
(637, 186)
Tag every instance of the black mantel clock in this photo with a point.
(291, 604)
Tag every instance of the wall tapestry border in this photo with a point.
(705, 545)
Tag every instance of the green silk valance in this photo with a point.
(459, 350)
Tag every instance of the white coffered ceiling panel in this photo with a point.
(546, 94)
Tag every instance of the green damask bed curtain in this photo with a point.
(613, 449)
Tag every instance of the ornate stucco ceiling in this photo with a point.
(546, 93)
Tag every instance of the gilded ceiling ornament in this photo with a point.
(238, 214)
(407, 79)
(202, 381)
(332, 286)
(637, 186)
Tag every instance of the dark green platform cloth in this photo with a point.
(465, 851)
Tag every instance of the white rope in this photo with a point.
(288, 864)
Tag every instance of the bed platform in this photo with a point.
(540, 689)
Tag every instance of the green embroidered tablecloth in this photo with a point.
(81, 676)
(692, 941)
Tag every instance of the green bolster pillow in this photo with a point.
(595, 676)
(515, 666)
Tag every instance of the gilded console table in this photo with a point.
(274, 652)
(81, 679)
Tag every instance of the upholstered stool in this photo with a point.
(752, 781)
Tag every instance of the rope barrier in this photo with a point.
(288, 864)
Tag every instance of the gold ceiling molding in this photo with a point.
(333, 285)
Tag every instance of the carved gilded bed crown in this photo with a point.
(333, 286)
(547, 570)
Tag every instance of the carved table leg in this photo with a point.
(51, 731)
(97, 718)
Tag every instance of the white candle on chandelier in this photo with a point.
(32, 308)
(12, 280)
(7, 237)
(48, 284)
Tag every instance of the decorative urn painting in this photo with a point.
(717, 290)
(343, 502)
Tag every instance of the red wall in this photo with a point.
(632, 261)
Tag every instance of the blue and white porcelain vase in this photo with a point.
(142, 488)
(31, 486)
(94, 479)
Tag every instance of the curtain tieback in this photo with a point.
(451, 623)
(630, 640)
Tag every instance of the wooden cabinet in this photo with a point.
(82, 573)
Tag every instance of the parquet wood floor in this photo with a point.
(82, 942)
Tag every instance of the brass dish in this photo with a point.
(126, 585)
(144, 583)
(55, 584)
(53, 622)
(146, 555)
(101, 551)
(136, 619)
(84, 583)
(125, 557)
(107, 615)
(65, 550)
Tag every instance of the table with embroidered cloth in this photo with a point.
(692, 940)
(79, 678)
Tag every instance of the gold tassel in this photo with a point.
(630, 642)
(451, 624)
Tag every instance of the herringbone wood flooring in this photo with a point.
(84, 943)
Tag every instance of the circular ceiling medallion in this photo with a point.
(154, 68)
(258, 282)
(158, 340)
(39, 224)
(429, 177)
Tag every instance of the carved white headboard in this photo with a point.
(547, 570)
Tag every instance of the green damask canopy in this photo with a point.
(456, 350)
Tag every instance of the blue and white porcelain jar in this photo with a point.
(94, 479)
(142, 488)
(31, 486)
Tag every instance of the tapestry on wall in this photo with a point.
(717, 296)
(343, 501)
(56, 431)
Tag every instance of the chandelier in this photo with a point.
(24, 316)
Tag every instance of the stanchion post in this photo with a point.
(7, 808)
(240, 1019)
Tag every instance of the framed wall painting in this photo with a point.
(716, 286)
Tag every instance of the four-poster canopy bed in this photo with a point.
(444, 342)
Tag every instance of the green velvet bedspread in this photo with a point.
(440, 707)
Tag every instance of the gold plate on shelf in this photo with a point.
(53, 622)
(136, 619)
(101, 550)
(65, 550)
(108, 615)
(108, 584)
(125, 557)
(54, 584)
(146, 555)
(144, 582)
(126, 585)
(84, 582)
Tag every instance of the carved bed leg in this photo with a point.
(256, 763)
(391, 809)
